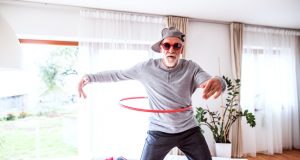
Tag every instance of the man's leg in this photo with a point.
(194, 146)
(157, 145)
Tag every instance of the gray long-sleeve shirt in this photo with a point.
(166, 89)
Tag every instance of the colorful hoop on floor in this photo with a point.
(151, 110)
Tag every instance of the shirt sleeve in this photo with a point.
(201, 76)
(116, 75)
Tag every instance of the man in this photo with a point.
(169, 83)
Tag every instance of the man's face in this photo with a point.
(171, 48)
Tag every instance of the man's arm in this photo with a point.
(108, 76)
(213, 87)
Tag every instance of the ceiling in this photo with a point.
(276, 13)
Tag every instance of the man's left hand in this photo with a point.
(212, 87)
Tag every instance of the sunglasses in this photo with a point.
(176, 46)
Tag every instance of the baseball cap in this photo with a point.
(168, 32)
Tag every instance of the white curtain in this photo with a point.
(112, 41)
(269, 89)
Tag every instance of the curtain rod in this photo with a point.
(209, 21)
(148, 14)
(272, 27)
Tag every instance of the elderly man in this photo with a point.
(169, 83)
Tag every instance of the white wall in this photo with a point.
(207, 43)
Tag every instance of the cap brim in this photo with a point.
(156, 47)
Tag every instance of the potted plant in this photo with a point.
(220, 122)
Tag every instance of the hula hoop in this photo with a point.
(151, 110)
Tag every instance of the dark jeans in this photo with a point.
(190, 142)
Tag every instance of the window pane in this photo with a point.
(38, 114)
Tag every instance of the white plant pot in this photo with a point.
(223, 150)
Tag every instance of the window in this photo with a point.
(40, 110)
(258, 66)
(108, 128)
(38, 114)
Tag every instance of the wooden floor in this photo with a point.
(287, 155)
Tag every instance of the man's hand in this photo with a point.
(211, 87)
(81, 84)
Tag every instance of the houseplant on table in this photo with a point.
(220, 122)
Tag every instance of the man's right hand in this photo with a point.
(212, 87)
(81, 84)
